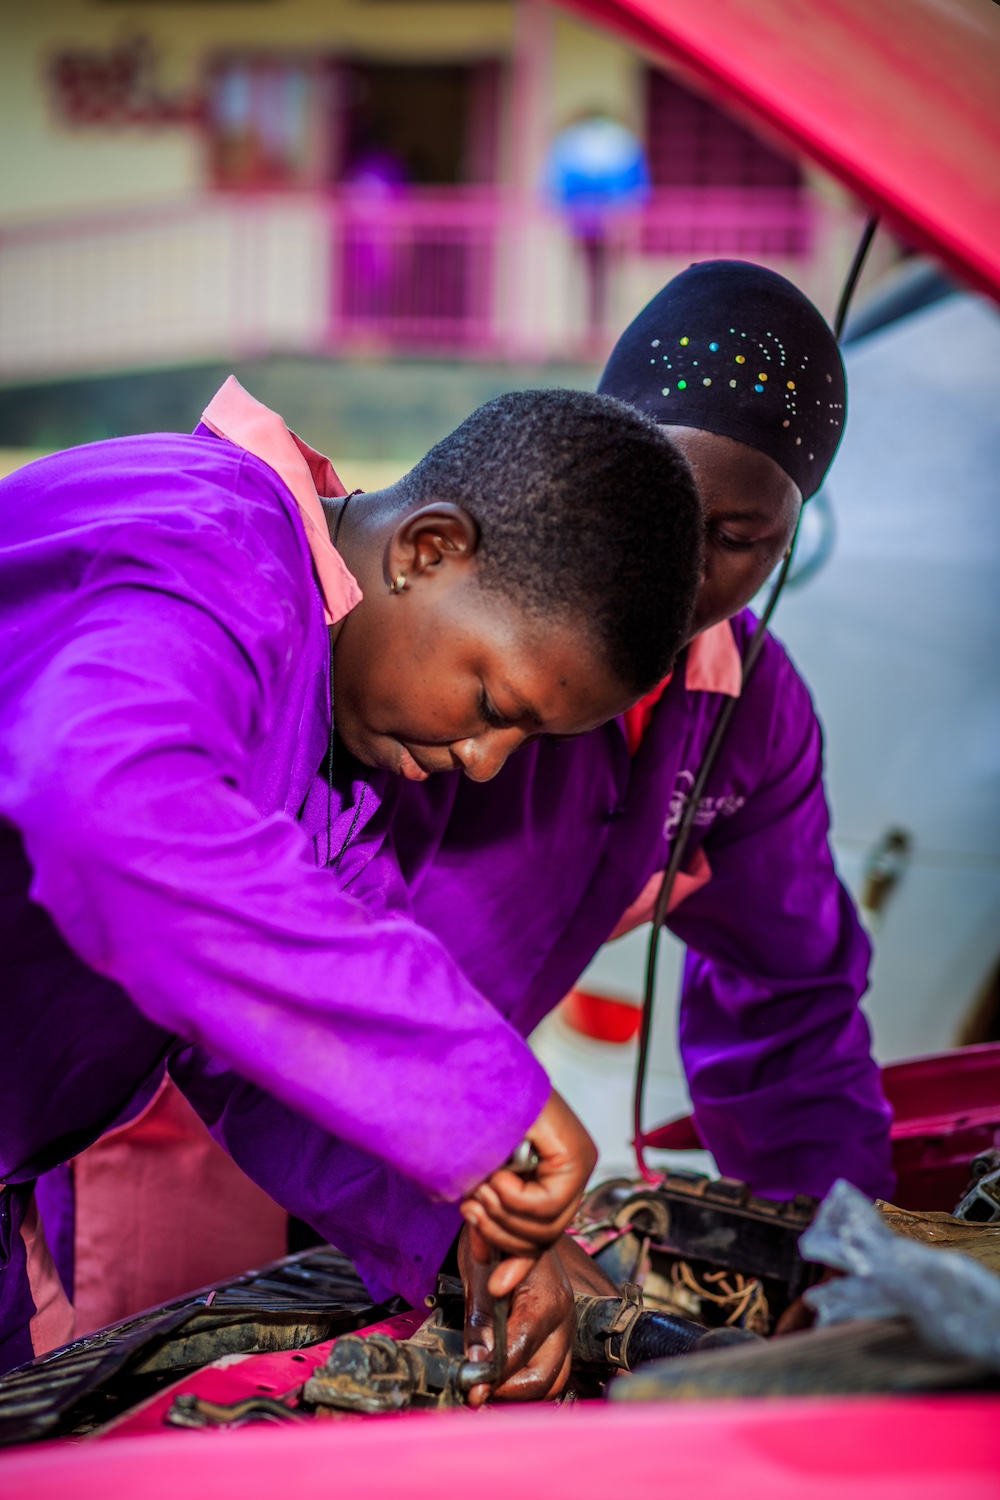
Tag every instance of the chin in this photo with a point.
(386, 753)
(373, 750)
(711, 617)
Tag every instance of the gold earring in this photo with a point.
(398, 584)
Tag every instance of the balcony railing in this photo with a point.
(727, 224)
(467, 272)
(417, 272)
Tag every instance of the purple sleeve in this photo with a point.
(775, 1046)
(126, 769)
(394, 1234)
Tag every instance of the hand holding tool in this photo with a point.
(524, 1162)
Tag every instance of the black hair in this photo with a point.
(585, 508)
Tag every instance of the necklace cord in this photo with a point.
(330, 746)
(708, 761)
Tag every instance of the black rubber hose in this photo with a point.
(652, 1335)
(657, 1335)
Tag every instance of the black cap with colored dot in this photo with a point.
(750, 358)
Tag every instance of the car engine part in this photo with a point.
(705, 1249)
(981, 1202)
(885, 1354)
(294, 1302)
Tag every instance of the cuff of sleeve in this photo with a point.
(388, 1270)
(459, 1159)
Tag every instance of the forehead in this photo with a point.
(732, 475)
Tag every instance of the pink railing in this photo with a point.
(742, 223)
(463, 271)
(419, 270)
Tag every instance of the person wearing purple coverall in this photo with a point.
(747, 378)
(571, 838)
(194, 873)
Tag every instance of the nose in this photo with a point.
(482, 756)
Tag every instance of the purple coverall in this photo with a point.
(164, 714)
(774, 1044)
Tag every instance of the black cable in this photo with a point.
(711, 755)
(679, 849)
(850, 285)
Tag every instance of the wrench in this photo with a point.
(490, 1372)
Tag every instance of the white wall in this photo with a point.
(46, 168)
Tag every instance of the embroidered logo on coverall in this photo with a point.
(709, 808)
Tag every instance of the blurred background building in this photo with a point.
(197, 183)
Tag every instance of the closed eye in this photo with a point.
(490, 714)
(734, 543)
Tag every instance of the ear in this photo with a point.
(428, 538)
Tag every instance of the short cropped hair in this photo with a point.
(585, 509)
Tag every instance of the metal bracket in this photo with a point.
(616, 1340)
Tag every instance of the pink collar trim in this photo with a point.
(234, 414)
(714, 664)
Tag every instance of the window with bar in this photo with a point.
(719, 189)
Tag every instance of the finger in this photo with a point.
(543, 1198)
(487, 1235)
(536, 1383)
(543, 1306)
(479, 1395)
(797, 1317)
(477, 1354)
(479, 1247)
(541, 1328)
(478, 1323)
(560, 1138)
(543, 1377)
(487, 1195)
(540, 1231)
(478, 1330)
(510, 1273)
(502, 1239)
(511, 1232)
(546, 1209)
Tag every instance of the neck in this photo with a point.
(360, 526)
(335, 513)
(348, 519)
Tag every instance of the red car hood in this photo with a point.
(898, 99)
(910, 1448)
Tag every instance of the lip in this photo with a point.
(409, 766)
